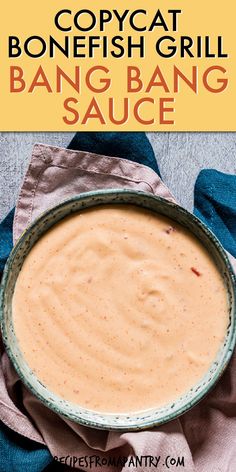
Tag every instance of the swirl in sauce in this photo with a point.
(118, 309)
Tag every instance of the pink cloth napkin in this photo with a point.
(205, 436)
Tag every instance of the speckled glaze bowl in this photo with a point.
(74, 412)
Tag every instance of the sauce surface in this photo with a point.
(118, 309)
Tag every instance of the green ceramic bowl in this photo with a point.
(74, 412)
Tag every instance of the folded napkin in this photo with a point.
(131, 146)
(205, 436)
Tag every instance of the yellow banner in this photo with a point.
(112, 66)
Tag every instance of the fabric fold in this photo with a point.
(55, 174)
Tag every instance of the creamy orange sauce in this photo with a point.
(118, 309)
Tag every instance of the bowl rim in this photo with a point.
(231, 341)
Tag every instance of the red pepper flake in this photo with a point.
(170, 230)
(195, 271)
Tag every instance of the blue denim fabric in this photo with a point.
(215, 204)
(18, 453)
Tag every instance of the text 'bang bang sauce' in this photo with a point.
(119, 309)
